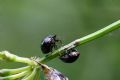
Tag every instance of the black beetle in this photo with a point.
(49, 43)
(70, 56)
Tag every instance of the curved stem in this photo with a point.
(100, 32)
(6, 72)
(5, 55)
(82, 40)
(11, 57)
(16, 76)
(31, 76)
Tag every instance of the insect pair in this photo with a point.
(49, 43)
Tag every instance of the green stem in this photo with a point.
(100, 33)
(5, 55)
(6, 72)
(11, 57)
(82, 40)
(31, 76)
(16, 76)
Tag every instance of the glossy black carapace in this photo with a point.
(70, 56)
(49, 43)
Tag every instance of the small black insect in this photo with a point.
(70, 56)
(49, 43)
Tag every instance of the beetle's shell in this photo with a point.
(70, 56)
(47, 44)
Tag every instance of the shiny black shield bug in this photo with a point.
(49, 43)
(70, 56)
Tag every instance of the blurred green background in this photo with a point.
(24, 23)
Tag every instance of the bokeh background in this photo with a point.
(24, 23)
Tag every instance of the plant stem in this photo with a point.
(82, 40)
(5, 55)
(16, 76)
(32, 75)
(6, 72)
(11, 57)
(100, 33)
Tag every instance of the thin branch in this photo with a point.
(11, 57)
(5, 55)
(16, 76)
(82, 40)
(6, 72)
(32, 75)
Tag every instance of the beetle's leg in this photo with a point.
(58, 40)
(55, 46)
